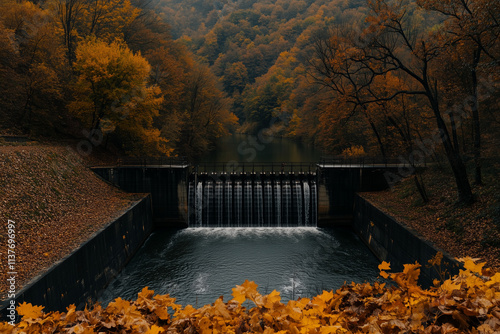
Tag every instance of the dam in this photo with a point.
(260, 195)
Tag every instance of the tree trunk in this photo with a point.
(475, 119)
(454, 132)
(379, 140)
(464, 144)
(420, 187)
(457, 165)
(375, 131)
(406, 137)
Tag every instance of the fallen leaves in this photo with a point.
(382, 267)
(57, 204)
(29, 311)
(471, 265)
(466, 303)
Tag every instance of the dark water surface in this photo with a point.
(197, 265)
(260, 149)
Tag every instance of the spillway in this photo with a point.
(252, 200)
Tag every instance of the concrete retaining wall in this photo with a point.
(390, 241)
(167, 186)
(79, 277)
(337, 189)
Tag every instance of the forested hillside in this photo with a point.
(259, 49)
(269, 56)
(378, 77)
(106, 71)
(416, 79)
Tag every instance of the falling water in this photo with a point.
(258, 217)
(287, 203)
(268, 204)
(208, 208)
(307, 197)
(314, 199)
(218, 204)
(249, 201)
(238, 198)
(297, 203)
(191, 200)
(248, 204)
(199, 204)
(228, 203)
(277, 204)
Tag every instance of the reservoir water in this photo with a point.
(260, 149)
(197, 265)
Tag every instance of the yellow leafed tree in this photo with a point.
(106, 19)
(109, 76)
(111, 93)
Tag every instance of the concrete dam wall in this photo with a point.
(166, 184)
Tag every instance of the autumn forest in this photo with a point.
(378, 78)
(413, 83)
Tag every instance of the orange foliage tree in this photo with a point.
(112, 92)
(350, 63)
(471, 30)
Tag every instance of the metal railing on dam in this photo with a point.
(368, 162)
(283, 166)
(250, 167)
(151, 162)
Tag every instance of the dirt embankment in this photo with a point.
(56, 203)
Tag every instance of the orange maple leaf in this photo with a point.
(247, 290)
(29, 311)
(412, 272)
(155, 330)
(470, 264)
(146, 293)
(384, 266)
